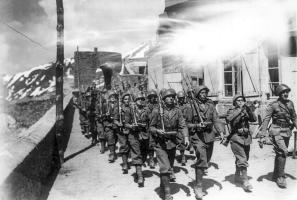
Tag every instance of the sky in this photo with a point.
(117, 25)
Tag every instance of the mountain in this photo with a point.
(38, 82)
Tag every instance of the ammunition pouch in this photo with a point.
(243, 131)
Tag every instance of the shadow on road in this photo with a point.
(77, 153)
(177, 169)
(175, 188)
(269, 176)
(207, 183)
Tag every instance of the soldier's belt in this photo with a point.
(281, 124)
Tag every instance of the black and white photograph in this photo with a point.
(148, 99)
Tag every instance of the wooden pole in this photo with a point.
(294, 150)
(59, 78)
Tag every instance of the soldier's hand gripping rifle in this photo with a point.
(135, 124)
(194, 104)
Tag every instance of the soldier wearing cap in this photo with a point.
(128, 137)
(283, 115)
(202, 134)
(185, 108)
(239, 117)
(164, 127)
(152, 104)
(109, 110)
(83, 117)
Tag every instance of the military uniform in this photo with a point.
(283, 115)
(91, 111)
(109, 110)
(185, 108)
(83, 116)
(128, 137)
(165, 145)
(241, 138)
(202, 137)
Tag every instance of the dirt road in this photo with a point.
(87, 175)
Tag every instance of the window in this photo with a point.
(231, 77)
(194, 80)
(273, 68)
(141, 69)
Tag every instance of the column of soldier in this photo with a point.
(166, 122)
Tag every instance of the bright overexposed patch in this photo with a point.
(231, 28)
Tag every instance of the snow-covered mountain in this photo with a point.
(35, 82)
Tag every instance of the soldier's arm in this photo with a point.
(153, 126)
(293, 115)
(182, 126)
(266, 120)
(218, 124)
(232, 114)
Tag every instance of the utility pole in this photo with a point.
(59, 79)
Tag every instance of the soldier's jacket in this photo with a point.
(142, 116)
(185, 109)
(239, 121)
(173, 121)
(109, 110)
(283, 117)
(83, 106)
(127, 117)
(210, 117)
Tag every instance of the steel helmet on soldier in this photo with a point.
(112, 93)
(180, 94)
(168, 92)
(236, 97)
(281, 88)
(139, 96)
(88, 94)
(151, 93)
(198, 89)
(126, 94)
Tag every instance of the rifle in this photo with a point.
(194, 103)
(161, 111)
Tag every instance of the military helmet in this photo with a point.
(236, 97)
(88, 94)
(198, 89)
(180, 94)
(139, 96)
(168, 92)
(281, 88)
(151, 93)
(112, 92)
(125, 94)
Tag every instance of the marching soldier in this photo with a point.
(152, 98)
(142, 117)
(83, 116)
(91, 110)
(284, 119)
(185, 108)
(239, 117)
(164, 127)
(202, 120)
(109, 110)
(128, 138)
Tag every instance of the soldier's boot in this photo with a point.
(198, 184)
(275, 170)
(152, 163)
(102, 146)
(281, 180)
(183, 157)
(166, 186)
(140, 179)
(245, 181)
(112, 154)
(125, 163)
(237, 177)
(172, 176)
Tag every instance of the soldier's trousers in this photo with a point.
(203, 152)
(144, 148)
(280, 144)
(180, 142)
(241, 153)
(108, 135)
(165, 158)
(130, 143)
